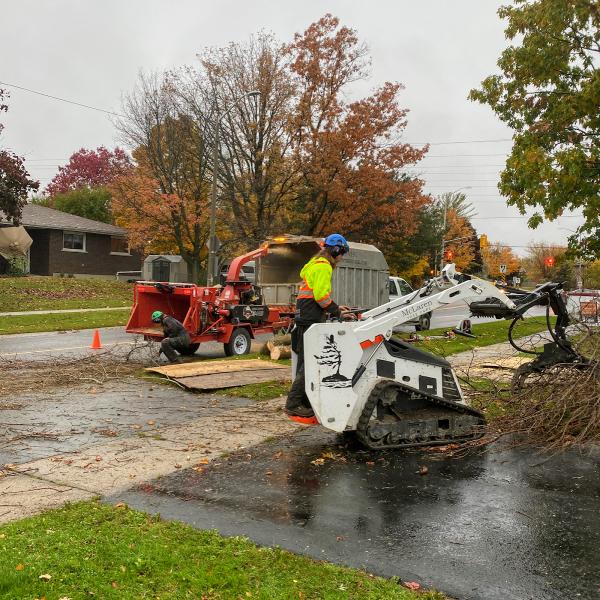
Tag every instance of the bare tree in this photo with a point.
(170, 146)
(256, 177)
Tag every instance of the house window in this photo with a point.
(73, 241)
(119, 245)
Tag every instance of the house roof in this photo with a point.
(41, 217)
(174, 258)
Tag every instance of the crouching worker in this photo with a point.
(313, 305)
(176, 337)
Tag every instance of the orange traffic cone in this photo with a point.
(96, 345)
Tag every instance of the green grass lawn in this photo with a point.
(90, 550)
(56, 293)
(258, 391)
(63, 322)
(487, 334)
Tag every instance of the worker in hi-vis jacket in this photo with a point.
(313, 305)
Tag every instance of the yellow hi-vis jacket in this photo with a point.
(314, 297)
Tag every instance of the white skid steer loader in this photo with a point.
(359, 378)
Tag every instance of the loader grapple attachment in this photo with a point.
(397, 416)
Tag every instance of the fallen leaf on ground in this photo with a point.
(177, 466)
(412, 585)
(115, 585)
(120, 505)
(98, 458)
(423, 470)
(20, 567)
(370, 463)
(318, 461)
(151, 422)
(45, 577)
(204, 461)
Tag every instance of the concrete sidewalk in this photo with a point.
(58, 312)
(100, 440)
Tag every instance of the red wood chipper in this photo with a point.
(231, 314)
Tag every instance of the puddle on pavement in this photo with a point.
(489, 525)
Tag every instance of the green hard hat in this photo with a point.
(156, 315)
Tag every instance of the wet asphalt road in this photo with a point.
(509, 525)
(41, 346)
(59, 344)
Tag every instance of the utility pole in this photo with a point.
(212, 241)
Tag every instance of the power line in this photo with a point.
(524, 217)
(19, 87)
(459, 142)
(461, 155)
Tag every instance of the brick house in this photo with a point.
(65, 244)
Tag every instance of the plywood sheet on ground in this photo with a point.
(226, 380)
(214, 375)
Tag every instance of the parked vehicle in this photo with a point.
(248, 272)
(360, 279)
(399, 287)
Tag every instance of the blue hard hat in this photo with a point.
(335, 239)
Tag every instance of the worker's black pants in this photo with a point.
(297, 394)
(169, 346)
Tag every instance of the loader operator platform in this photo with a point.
(176, 336)
(313, 305)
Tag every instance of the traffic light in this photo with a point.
(448, 255)
(432, 271)
(549, 261)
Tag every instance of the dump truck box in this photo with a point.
(360, 279)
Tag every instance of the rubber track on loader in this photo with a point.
(375, 396)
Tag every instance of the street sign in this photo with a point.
(502, 268)
(516, 280)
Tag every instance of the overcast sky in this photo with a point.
(91, 52)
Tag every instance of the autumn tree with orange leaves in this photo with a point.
(496, 254)
(463, 249)
(299, 159)
(347, 154)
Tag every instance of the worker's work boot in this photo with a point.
(299, 410)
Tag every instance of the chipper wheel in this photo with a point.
(239, 342)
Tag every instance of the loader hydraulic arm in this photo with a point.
(377, 324)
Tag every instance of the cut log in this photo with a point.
(263, 349)
(282, 339)
(280, 352)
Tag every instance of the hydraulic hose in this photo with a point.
(512, 341)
